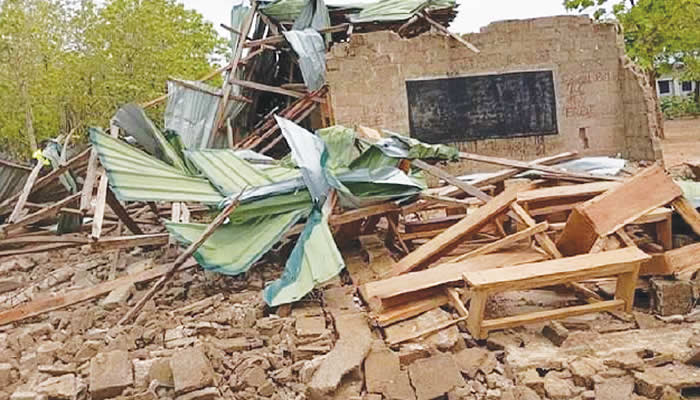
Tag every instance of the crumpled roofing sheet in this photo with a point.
(137, 176)
(311, 49)
(236, 246)
(370, 10)
(191, 113)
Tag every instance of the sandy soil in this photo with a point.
(682, 141)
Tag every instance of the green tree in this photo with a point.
(69, 64)
(659, 34)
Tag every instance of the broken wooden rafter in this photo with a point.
(441, 28)
(121, 213)
(48, 178)
(273, 89)
(688, 212)
(16, 213)
(125, 242)
(468, 226)
(210, 75)
(182, 258)
(50, 211)
(530, 166)
(58, 301)
(272, 40)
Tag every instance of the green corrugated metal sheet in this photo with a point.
(228, 172)
(370, 11)
(315, 259)
(136, 176)
(235, 247)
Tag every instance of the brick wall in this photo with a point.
(603, 104)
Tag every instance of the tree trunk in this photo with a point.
(697, 92)
(28, 119)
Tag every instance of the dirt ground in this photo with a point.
(682, 141)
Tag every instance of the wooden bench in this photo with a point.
(623, 264)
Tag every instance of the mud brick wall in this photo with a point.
(604, 106)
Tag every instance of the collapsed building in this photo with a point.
(346, 254)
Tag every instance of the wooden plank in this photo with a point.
(559, 192)
(30, 239)
(656, 266)
(280, 39)
(273, 89)
(47, 212)
(477, 308)
(646, 191)
(361, 213)
(58, 301)
(505, 242)
(471, 224)
(409, 310)
(456, 37)
(578, 235)
(626, 285)
(537, 167)
(562, 270)
(549, 315)
(684, 259)
(227, 86)
(689, 214)
(100, 202)
(456, 302)
(38, 249)
(121, 213)
(444, 273)
(509, 173)
(124, 242)
(427, 331)
(464, 186)
(28, 185)
(89, 183)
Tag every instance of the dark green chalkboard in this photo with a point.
(467, 108)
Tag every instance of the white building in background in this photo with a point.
(669, 85)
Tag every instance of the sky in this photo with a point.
(473, 14)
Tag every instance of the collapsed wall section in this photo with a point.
(431, 85)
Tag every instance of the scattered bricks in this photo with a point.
(118, 296)
(110, 374)
(46, 352)
(557, 388)
(383, 374)
(161, 372)
(310, 325)
(9, 284)
(191, 370)
(308, 369)
(433, 377)
(475, 359)
(141, 369)
(584, 369)
(693, 358)
(531, 379)
(5, 375)
(232, 345)
(349, 352)
(254, 377)
(65, 387)
(555, 332)
(88, 350)
(410, 352)
(501, 340)
(209, 393)
(625, 360)
(615, 389)
(24, 395)
(267, 389)
(652, 381)
(669, 297)
(521, 393)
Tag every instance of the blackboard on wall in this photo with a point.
(467, 108)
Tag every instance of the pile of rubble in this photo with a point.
(333, 270)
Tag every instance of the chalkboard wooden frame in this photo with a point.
(507, 105)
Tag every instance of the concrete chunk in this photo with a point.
(383, 374)
(191, 370)
(433, 377)
(110, 374)
(65, 387)
(670, 297)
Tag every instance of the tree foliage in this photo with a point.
(68, 64)
(659, 34)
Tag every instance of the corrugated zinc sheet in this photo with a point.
(12, 178)
(374, 10)
(236, 246)
(136, 176)
(315, 259)
(311, 49)
(397, 10)
(191, 113)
